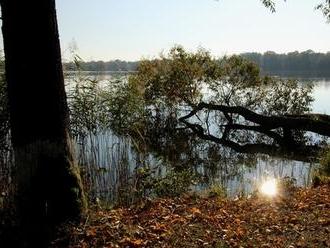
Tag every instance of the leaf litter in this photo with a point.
(302, 220)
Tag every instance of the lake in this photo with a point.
(112, 163)
(321, 95)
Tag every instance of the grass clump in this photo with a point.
(325, 162)
(322, 176)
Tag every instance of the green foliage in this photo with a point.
(322, 174)
(287, 185)
(269, 4)
(325, 162)
(175, 78)
(182, 77)
(146, 106)
(242, 85)
(284, 97)
(239, 84)
(324, 8)
(155, 94)
(126, 108)
(216, 190)
(97, 106)
(149, 104)
(173, 183)
(88, 109)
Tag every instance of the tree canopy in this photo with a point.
(323, 6)
(224, 101)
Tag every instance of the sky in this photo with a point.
(135, 29)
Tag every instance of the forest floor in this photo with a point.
(301, 219)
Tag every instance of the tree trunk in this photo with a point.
(49, 189)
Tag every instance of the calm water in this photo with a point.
(321, 95)
(249, 178)
(237, 177)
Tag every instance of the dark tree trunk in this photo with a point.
(49, 189)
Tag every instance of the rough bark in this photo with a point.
(49, 189)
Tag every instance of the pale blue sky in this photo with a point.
(131, 29)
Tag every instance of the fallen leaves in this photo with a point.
(131, 242)
(301, 221)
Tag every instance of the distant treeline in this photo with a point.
(293, 63)
(115, 65)
(307, 63)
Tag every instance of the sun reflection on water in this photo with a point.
(269, 187)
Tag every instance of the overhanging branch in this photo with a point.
(316, 123)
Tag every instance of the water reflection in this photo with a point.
(269, 187)
(242, 179)
(111, 167)
(113, 161)
(321, 91)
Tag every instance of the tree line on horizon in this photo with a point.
(113, 65)
(292, 63)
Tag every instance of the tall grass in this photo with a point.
(107, 166)
(108, 161)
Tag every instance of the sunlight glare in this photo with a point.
(269, 187)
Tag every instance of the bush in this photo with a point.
(216, 190)
(322, 175)
(174, 183)
(325, 162)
